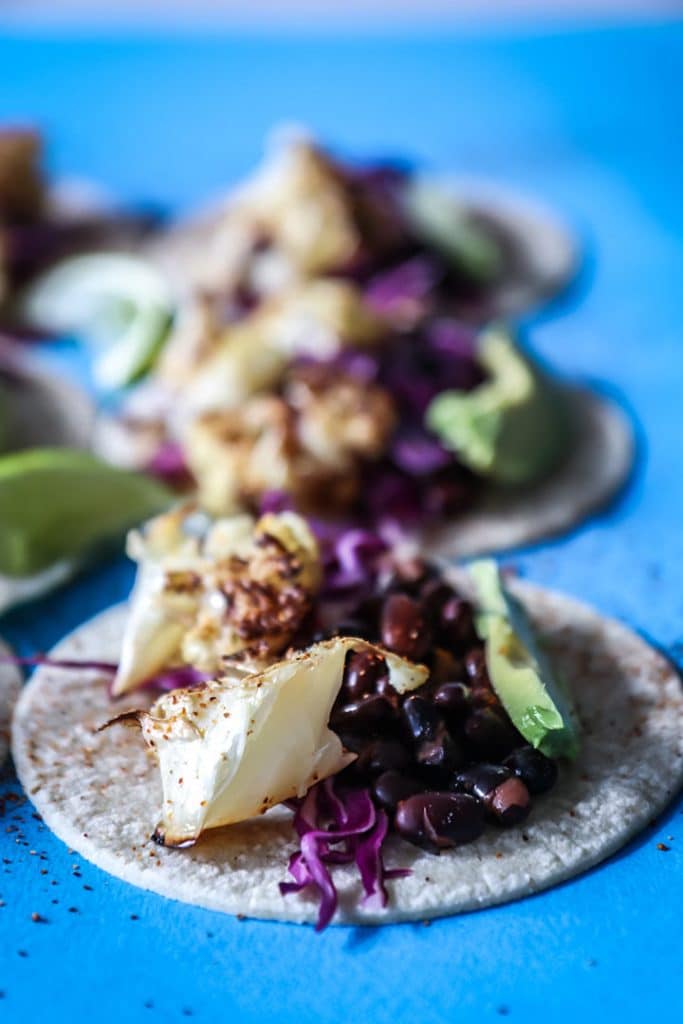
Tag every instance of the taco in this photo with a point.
(320, 352)
(461, 440)
(305, 214)
(43, 222)
(38, 408)
(324, 339)
(364, 740)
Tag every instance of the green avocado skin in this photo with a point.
(58, 503)
(514, 427)
(519, 669)
(439, 218)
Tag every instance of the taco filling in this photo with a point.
(406, 429)
(396, 707)
(320, 348)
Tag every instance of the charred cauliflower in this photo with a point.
(210, 592)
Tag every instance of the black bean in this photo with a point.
(483, 696)
(510, 802)
(369, 608)
(411, 575)
(386, 690)
(475, 666)
(363, 716)
(382, 756)
(422, 720)
(537, 772)
(403, 627)
(434, 594)
(457, 623)
(452, 698)
(491, 733)
(351, 740)
(440, 756)
(355, 627)
(481, 779)
(363, 671)
(446, 497)
(395, 585)
(392, 787)
(436, 821)
(444, 667)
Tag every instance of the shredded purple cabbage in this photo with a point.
(179, 678)
(418, 367)
(350, 559)
(391, 495)
(275, 501)
(452, 340)
(361, 365)
(75, 663)
(418, 452)
(364, 366)
(338, 826)
(168, 464)
(403, 291)
(182, 677)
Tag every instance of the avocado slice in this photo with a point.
(539, 706)
(440, 219)
(512, 428)
(56, 503)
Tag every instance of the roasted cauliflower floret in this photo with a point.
(217, 367)
(310, 446)
(302, 215)
(339, 417)
(299, 200)
(208, 592)
(256, 601)
(318, 214)
(237, 455)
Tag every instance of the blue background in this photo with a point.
(589, 120)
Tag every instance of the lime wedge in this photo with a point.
(56, 503)
(118, 304)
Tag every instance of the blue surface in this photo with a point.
(589, 120)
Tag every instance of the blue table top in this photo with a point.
(588, 120)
